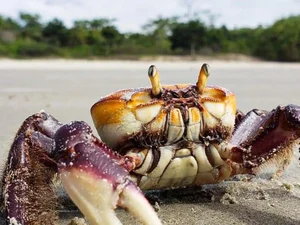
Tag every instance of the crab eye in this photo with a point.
(202, 78)
(155, 80)
(152, 71)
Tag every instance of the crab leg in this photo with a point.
(26, 183)
(270, 140)
(96, 178)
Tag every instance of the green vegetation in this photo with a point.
(29, 37)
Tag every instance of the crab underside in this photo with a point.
(152, 138)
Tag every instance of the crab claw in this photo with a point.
(266, 138)
(96, 179)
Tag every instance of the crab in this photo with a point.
(160, 137)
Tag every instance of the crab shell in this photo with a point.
(127, 113)
(178, 122)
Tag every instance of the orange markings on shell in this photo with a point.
(107, 112)
(113, 108)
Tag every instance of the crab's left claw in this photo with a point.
(96, 178)
(263, 138)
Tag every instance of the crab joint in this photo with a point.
(202, 78)
(155, 80)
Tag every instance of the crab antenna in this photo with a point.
(202, 78)
(155, 80)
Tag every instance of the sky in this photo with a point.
(130, 15)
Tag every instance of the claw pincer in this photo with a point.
(94, 178)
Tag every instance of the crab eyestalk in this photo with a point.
(155, 80)
(202, 78)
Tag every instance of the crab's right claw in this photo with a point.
(95, 180)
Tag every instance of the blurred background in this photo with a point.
(268, 30)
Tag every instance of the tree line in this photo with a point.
(29, 37)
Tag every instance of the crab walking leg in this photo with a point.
(26, 183)
(96, 178)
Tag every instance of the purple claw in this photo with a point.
(76, 147)
(27, 193)
(95, 179)
(267, 137)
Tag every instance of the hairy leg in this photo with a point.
(27, 178)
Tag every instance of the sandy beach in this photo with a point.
(68, 88)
